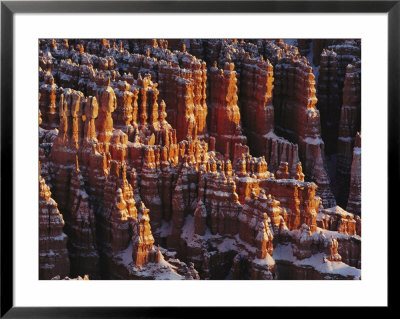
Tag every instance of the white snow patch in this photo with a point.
(337, 210)
(313, 141)
(335, 234)
(160, 271)
(267, 261)
(285, 253)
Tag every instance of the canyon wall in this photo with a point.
(154, 155)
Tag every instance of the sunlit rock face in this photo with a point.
(199, 159)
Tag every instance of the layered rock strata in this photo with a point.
(304, 46)
(349, 125)
(158, 157)
(224, 112)
(329, 102)
(318, 45)
(48, 102)
(347, 51)
(53, 253)
(83, 251)
(296, 115)
(318, 255)
(354, 201)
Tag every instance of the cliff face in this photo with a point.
(329, 102)
(48, 92)
(347, 51)
(53, 253)
(354, 202)
(296, 115)
(83, 251)
(154, 155)
(349, 125)
(224, 111)
(256, 104)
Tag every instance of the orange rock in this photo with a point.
(334, 256)
(107, 102)
(224, 111)
(47, 102)
(142, 239)
(163, 158)
(296, 115)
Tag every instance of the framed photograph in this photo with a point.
(187, 152)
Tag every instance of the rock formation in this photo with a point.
(354, 202)
(304, 46)
(318, 45)
(224, 112)
(349, 125)
(296, 115)
(47, 102)
(196, 159)
(83, 252)
(53, 253)
(347, 51)
(329, 99)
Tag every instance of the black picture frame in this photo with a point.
(9, 8)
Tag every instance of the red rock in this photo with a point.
(334, 251)
(107, 102)
(349, 125)
(296, 115)
(354, 201)
(186, 123)
(198, 78)
(86, 73)
(304, 46)
(329, 99)
(303, 243)
(119, 145)
(256, 101)
(142, 239)
(197, 48)
(277, 150)
(47, 102)
(46, 62)
(119, 223)
(252, 221)
(149, 187)
(68, 74)
(53, 253)
(299, 173)
(347, 51)
(317, 47)
(155, 169)
(220, 198)
(283, 171)
(66, 145)
(83, 253)
(337, 219)
(123, 116)
(358, 225)
(224, 112)
(200, 215)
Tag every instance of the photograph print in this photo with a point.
(199, 159)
